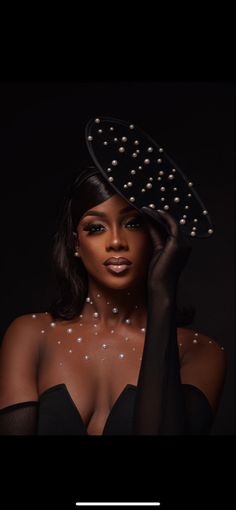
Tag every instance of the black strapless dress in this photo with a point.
(58, 414)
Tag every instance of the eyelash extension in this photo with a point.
(90, 226)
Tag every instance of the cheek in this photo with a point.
(89, 250)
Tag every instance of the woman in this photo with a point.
(107, 358)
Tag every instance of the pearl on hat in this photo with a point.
(90, 138)
(149, 185)
(124, 139)
(114, 162)
(131, 126)
(146, 161)
(205, 212)
(210, 231)
(159, 160)
(136, 142)
(132, 199)
(176, 199)
(97, 121)
(110, 179)
(121, 149)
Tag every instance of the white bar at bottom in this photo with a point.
(119, 504)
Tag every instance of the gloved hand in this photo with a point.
(171, 250)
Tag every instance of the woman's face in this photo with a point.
(108, 231)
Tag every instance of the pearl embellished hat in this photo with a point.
(144, 175)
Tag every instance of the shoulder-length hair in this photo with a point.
(70, 274)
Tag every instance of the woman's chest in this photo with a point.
(94, 367)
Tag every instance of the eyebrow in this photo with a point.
(103, 214)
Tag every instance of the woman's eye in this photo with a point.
(93, 228)
(134, 223)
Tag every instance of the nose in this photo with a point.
(117, 239)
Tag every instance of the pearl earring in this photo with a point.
(76, 254)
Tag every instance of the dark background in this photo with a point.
(42, 143)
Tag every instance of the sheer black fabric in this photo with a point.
(163, 405)
(19, 419)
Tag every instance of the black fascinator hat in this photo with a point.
(144, 174)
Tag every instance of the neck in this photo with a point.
(115, 307)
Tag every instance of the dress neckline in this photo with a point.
(63, 387)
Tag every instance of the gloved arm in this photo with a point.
(163, 405)
(19, 419)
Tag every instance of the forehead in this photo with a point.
(113, 206)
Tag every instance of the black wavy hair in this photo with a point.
(70, 274)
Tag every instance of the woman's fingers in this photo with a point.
(165, 219)
(156, 217)
(171, 223)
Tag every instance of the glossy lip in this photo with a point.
(116, 268)
(117, 261)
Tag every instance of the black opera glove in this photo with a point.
(169, 256)
(160, 403)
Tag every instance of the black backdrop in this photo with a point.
(42, 142)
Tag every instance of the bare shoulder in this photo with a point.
(196, 342)
(203, 363)
(24, 326)
(19, 357)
